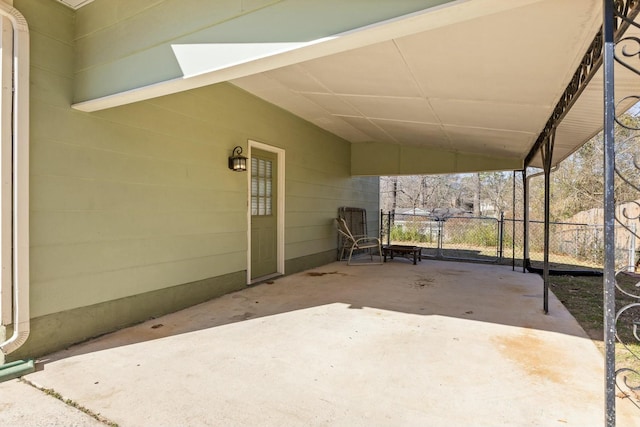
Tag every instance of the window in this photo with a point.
(261, 187)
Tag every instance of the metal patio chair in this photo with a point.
(356, 220)
(358, 242)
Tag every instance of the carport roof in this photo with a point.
(472, 78)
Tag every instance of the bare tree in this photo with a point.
(477, 188)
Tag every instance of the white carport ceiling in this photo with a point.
(486, 85)
(470, 77)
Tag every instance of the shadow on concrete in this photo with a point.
(473, 292)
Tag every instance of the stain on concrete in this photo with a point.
(322, 273)
(240, 317)
(514, 288)
(422, 282)
(452, 272)
(535, 357)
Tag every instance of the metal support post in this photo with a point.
(513, 224)
(546, 150)
(525, 221)
(609, 287)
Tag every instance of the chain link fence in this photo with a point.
(571, 245)
(464, 238)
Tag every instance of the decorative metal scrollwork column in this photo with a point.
(621, 324)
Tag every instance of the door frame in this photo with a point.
(280, 196)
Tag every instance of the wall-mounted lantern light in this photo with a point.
(237, 162)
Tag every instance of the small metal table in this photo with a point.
(403, 251)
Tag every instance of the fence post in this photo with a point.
(632, 249)
(440, 242)
(501, 236)
(389, 222)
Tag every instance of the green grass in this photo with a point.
(72, 403)
(583, 297)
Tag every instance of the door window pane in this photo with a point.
(261, 187)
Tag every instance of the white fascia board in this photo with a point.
(207, 64)
(75, 4)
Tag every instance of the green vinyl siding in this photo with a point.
(138, 199)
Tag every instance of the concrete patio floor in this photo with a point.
(436, 344)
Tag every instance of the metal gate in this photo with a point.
(450, 237)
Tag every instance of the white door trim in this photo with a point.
(279, 205)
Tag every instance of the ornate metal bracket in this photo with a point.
(626, 11)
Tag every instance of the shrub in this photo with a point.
(410, 233)
(477, 235)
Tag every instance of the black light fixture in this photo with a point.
(237, 162)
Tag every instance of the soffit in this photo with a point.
(486, 85)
